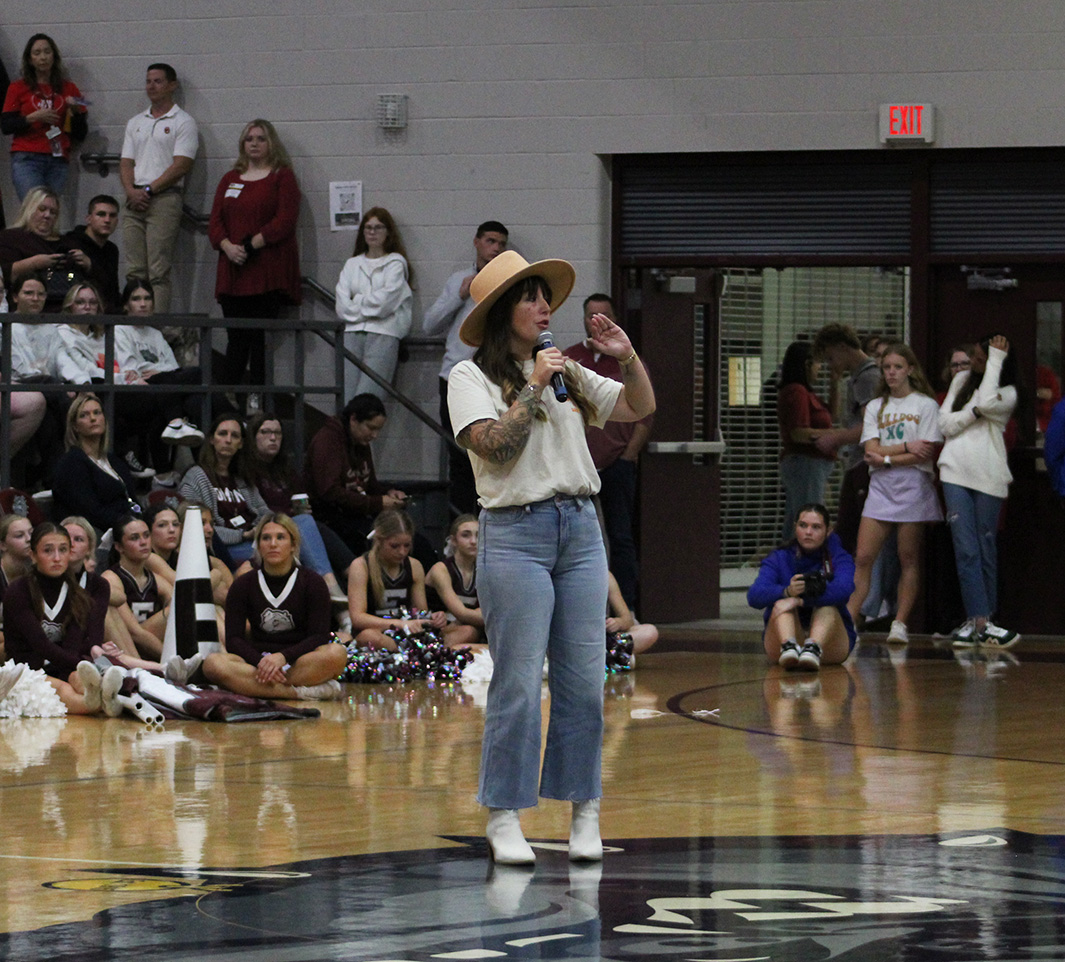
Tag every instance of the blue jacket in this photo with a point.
(778, 568)
(1054, 448)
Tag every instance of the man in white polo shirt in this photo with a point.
(157, 152)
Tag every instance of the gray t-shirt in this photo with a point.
(862, 386)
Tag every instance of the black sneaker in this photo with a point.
(789, 655)
(994, 636)
(810, 656)
(136, 468)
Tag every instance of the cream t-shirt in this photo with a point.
(555, 459)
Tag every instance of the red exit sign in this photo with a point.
(907, 123)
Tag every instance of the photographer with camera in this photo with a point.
(802, 589)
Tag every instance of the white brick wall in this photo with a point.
(512, 102)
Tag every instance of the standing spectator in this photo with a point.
(32, 244)
(446, 316)
(976, 480)
(1054, 450)
(253, 227)
(45, 114)
(615, 448)
(803, 418)
(157, 152)
(374, 298)
(5, 82)
(840, 346)
(93, 238)
(900, 433)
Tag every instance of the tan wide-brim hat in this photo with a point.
(503, 272)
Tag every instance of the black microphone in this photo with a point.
(543, 339)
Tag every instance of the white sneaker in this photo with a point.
(898, 634)
(254, 404)
(994, 636)
(964, 635)
(182, 431)
(585, 845)
(110, 686)
(326, 691)
(90, 682)
(505, 838)
(179, 670)
(168, 480)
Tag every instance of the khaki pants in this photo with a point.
(149, 237)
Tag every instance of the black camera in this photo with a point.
(814, 584)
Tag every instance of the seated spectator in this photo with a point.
(219, 482)
(89, 481)
(93, 239)
(144, 597)
(270, 469)
(143, 349)
(620, 618)
(386, 579)
(341, 480)
(278, 643)
(802, 589)
(453, 582)
(32, 244)
(51, 622)
(45, 114)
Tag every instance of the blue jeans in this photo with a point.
(541, 581)
(973, 519)
(803, 479)
(29, 170)
(312, 548)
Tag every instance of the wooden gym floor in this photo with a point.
(908, 805)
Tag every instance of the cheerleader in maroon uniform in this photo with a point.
(144, 596)
(14, 557)
(387, 578)
(287, 652)
(455, 582)
(52, 623)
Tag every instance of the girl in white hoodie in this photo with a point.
(374, 297)
(976, 477)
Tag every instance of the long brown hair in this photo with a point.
(393, 243)
(80, 599)
(495, 358)
(209, 459)
(387, 524)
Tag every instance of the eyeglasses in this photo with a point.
(959, 365)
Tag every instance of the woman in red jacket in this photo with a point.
(253, 227)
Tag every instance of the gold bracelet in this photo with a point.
(625, 362)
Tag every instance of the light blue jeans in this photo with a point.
(973, 519)
(541, 581)
(29, 170)
(803, 479)
(312, 548)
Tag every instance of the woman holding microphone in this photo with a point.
(535, 480)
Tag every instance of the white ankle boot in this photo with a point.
(585, 845)
(505, 839)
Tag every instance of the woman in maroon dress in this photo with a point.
(253, 227)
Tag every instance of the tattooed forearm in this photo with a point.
(503, 440)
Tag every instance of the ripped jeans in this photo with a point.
(973, 519)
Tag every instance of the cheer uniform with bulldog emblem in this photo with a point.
(286, 613)
(54, 642)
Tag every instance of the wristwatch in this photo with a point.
(887, 460)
